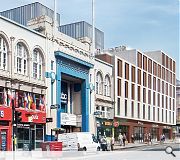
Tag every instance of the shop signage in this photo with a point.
(35, 116)
(155, 125)
(140, 123)
(49, 120)
(116, 124)
(68, 119)
(1, 113)
(63, 97)
(166, 127)
(107, 123)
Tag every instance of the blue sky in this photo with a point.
(142, 24)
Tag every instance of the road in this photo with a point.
(154, 152)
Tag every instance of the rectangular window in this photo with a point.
(125, 107)
(126, 71)
(149, 81)
(166, 102)
(139, 60)
(139, 76)
(163, 73)
(144, 95)
(19, 65)
(158, 100)
(144, 111)
(170, 103)
(40, 72)
(145, 63)
(159, 71)
(174, 92)
(163, 87)
(133, 73)
(25, 66)
(149, 113)
(159, 86)
(138, 110)
(163, 59)
(154, 113)
(144, 79)
(166, 116)
(167, 62)
(162, 115)
(173, 105)
(155, 68)
(166, 88)
(149, 96)
(118, 107)
(162, 101)
(132, 111)
(119, 87)
(154, 83)
(149, 66)
(139, 93)
(169, 116)
(126, 89)
(119, 68)
(133, 92)
(154, 98)
(34, 70)
(174, 79)
(174, 66)
(158, 114)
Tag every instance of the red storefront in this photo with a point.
(30, 131)
(5, 128)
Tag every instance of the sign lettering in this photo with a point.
(1, 114)
(35, 116)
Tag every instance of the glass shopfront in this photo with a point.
(154, 134)
(139, 134)
(122, 130)
(30, 136)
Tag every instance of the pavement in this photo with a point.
(137, 144)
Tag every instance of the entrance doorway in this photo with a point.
(3, 140)
(32, 139)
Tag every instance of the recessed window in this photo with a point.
(3, 54)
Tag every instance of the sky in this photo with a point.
(146, 25)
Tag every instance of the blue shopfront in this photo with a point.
(77, 71)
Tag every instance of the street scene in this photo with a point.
(89, 79)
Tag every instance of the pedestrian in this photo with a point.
(104, 143)
(120, 138)
(163, 137)
(149, 138)
(112, 143)
(124, 139)
(132, 138)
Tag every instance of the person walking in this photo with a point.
(120, 138)
(124, 139)
(112, 143)
(132, 138)
(149, 138)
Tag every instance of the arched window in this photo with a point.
(107, 86)
(21, 59)
(99, 83)
(3, 54)
(37, 64)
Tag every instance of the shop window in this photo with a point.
(3, 54)
(21, 58)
